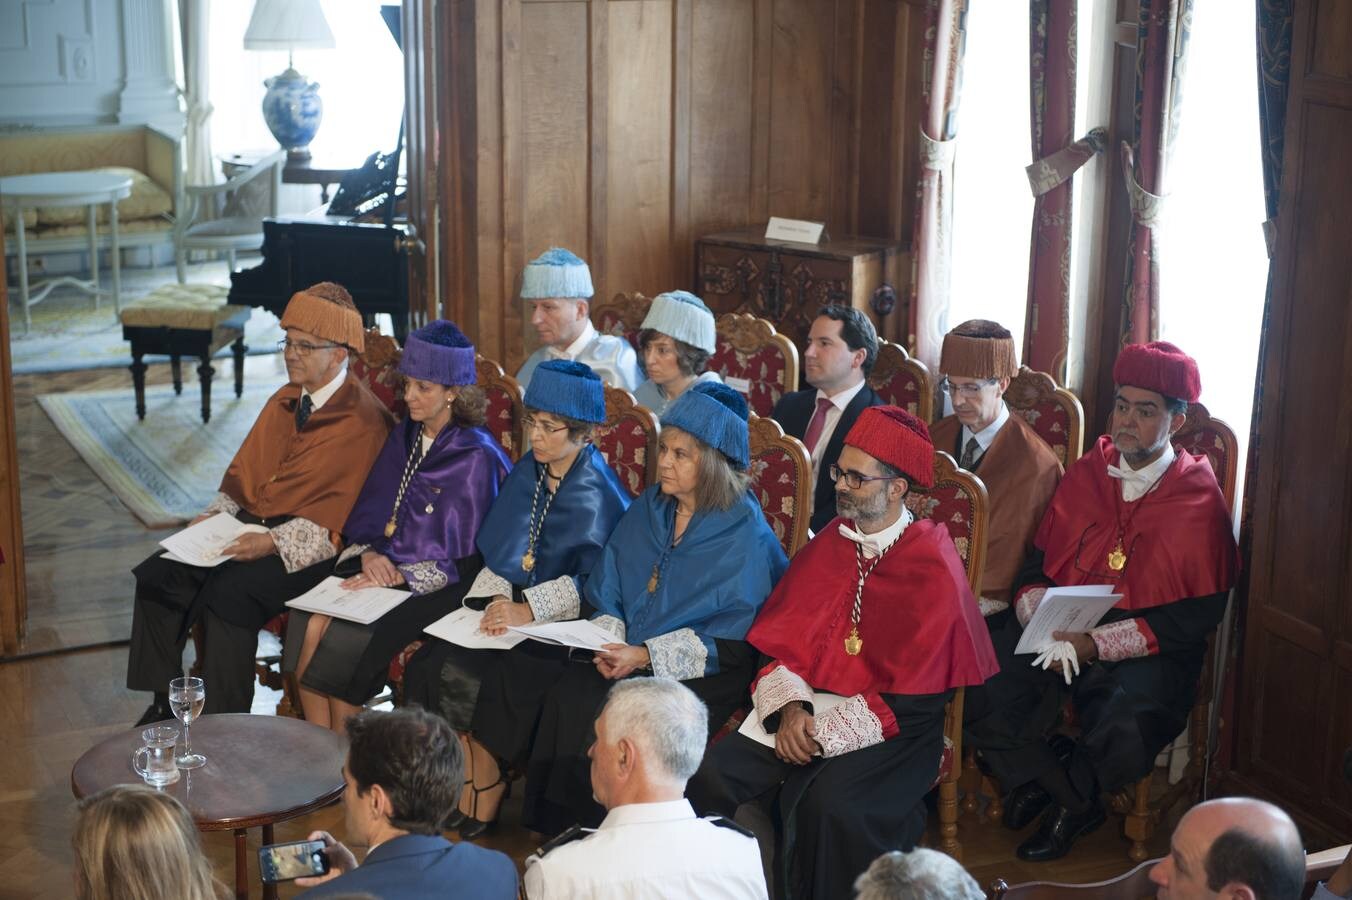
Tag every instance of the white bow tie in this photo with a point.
(1128, 474)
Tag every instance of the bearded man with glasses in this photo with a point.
(1136, 514)
(292, 484)
(1019, 469)
(862, 643)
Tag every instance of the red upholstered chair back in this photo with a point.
(781, 479)
(903, 381)
(622, 316)
(1202, 434)
(959, 500)
(755, 359)
(1053, 412)
(378, 368)
(628, 440)
(505, 405)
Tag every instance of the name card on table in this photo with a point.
(796, 230)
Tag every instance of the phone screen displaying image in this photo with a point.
(298, 859)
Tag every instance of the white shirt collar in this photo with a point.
(574, 350)
(875, 543)
(842, 399)
(321, 396)
(1136, 483)
(986, 436)
(645, 813)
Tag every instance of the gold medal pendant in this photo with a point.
(854, 643)
(389, 528)
(652, 581)
(528, 561)
(1117, 558)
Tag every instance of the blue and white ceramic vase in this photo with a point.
(293, 111)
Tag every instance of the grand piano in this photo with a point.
(357, 241)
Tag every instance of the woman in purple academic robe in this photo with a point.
(413, 527)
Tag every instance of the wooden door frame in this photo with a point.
(13, 588)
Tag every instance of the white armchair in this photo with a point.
(231, 232)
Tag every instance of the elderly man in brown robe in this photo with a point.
(296, 475)
(1019, 469)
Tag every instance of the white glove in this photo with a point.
(1062, 651)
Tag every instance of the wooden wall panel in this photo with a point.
(1332, 37)
(625, 129)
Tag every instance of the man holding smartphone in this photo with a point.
(403, 775)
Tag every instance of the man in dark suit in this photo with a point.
(403, 776)
(841, 349)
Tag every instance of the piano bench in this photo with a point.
(184, 320)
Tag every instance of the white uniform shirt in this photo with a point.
(651, 851)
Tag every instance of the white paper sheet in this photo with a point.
(580, 633)
(201, 544)
(752, 727)
(1066, 609)
(462, 628)
(362, 606)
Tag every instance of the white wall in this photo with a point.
(82, 61)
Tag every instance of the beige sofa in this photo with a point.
(150, 157)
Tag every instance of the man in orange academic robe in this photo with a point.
(296, 475)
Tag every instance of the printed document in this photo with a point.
(201, 544)
(580, 633)
(752, 727)
(462, 628)
(362, 606)
(1066, 609)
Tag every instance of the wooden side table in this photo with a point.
(260, 770)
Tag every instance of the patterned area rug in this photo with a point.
(167, 468)
(68, 333)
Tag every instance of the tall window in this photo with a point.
(361, 82)
(1213, 271)
(993, 206)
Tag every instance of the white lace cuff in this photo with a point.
(613, 625)
(555, 600)
(222, 502)
(848, 726)
(678, 654)
(354, 550)
(1027, 603)
(489, 584)
(990, 607)
(1126, 639)
(776, 688)
(302, 543)
(422, 577)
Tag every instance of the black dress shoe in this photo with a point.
(1059, 830)
(1025, 804)
(454, 821)
(154, 713)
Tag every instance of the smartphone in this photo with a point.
(297, 859)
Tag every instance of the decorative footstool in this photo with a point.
(179, 320)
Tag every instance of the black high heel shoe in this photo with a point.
(473, 827)
(457, 818)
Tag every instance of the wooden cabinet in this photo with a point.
(786, 283)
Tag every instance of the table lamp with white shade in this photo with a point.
(291, 107)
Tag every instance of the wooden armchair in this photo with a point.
(622, 316)
(378, 368)
(959, 500)
(901, 380)
(628, 440)
(781, 479)
(195, 230)
(1052, 411)
(755, 359)
(506, 405)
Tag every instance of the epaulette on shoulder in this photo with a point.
(725, 822)
(576, 833)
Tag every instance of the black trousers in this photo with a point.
(171, 597)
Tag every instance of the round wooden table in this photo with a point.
(260, 770)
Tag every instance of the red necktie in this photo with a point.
(814, 428)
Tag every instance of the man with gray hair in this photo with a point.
(919, 875)
(650, 739)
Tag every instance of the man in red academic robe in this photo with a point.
(1136, 514)
(875, 610)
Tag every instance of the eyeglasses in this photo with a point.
(855, 480)
(532, 424)
(970, 389)
(303, 348)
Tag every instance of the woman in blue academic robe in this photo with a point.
(679, 584)
(539, 543)
(413, 526)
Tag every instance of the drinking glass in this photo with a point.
(158, 749)
(186, 696)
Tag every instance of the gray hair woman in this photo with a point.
(676, 340)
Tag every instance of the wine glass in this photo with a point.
(186, 696)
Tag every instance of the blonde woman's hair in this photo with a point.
(135, 843)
